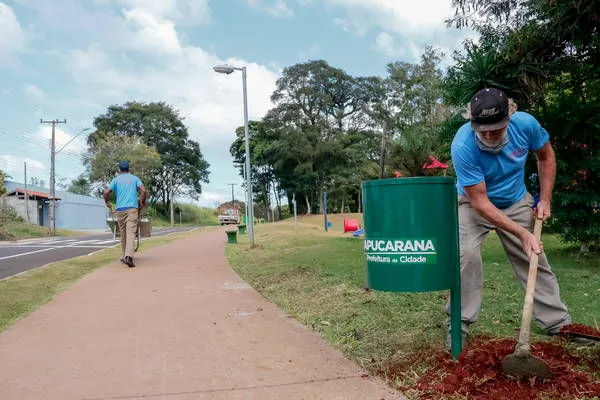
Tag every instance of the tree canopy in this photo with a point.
(182, 168)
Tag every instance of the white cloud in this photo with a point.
(12, 37)
(414, 24)
(180, 11)
(387, 45)
(14, 167)
(398, 15)
(277, 9)
(33, 91)
(342, 23)
(280, 9)
(312, 51)
(211, 199)
(152, 33)
(61, 138)
(211, 102)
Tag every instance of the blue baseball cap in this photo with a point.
(124, 164)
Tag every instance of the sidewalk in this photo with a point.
(181, 325)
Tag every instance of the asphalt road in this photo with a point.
(21, 256)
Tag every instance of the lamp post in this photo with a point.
(228, 69)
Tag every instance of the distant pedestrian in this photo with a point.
(126, 187)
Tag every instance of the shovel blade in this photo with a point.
(525, 365)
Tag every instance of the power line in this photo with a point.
(34, 138)
(36, 143)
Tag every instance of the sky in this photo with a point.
(72, 59)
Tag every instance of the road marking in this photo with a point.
(108, 241)
(86, 241)
(71, 245)
(25, 254)
(46, 243)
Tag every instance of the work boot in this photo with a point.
(464, 336)
(129, 261)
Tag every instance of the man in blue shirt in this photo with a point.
(126, 187)
(489, 155)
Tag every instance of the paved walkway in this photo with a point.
(181, 325)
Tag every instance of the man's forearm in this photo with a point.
(547, 174)
(487, 210)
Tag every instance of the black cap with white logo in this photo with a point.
(489, 110)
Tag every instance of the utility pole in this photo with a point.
(52, 172)
(295, 213)
(382, 157)
(26, 193)
(232, 197)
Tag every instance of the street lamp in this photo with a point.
(228, 69)
(73, 138)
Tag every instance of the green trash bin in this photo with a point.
(411, 238)
(231, 237)
(242, 229)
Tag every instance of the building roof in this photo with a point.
(31, 193)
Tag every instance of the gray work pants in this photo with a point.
(549, 311)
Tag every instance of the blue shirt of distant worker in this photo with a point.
(125, 186)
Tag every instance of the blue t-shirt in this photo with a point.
(126, 187)
(502, 172)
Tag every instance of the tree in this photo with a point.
(183, 168)
(418, 112)
(3, 177)
(548, 54)
(317, 106)
(108, 149)
(80, 185)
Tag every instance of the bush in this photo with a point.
(9, 214)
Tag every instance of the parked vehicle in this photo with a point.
(230, 216)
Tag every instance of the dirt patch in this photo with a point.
(4, 235)
(477, 374)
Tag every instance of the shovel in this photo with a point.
(521, 362)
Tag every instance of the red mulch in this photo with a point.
(579, 328)
(477, 374)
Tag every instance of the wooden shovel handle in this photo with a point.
(524, 334)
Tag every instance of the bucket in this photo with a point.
(350, 225)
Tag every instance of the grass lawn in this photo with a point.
(318, 278)
(23, 230)
(23, 294)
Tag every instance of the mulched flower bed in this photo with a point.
(477, 374)
(579, 328)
